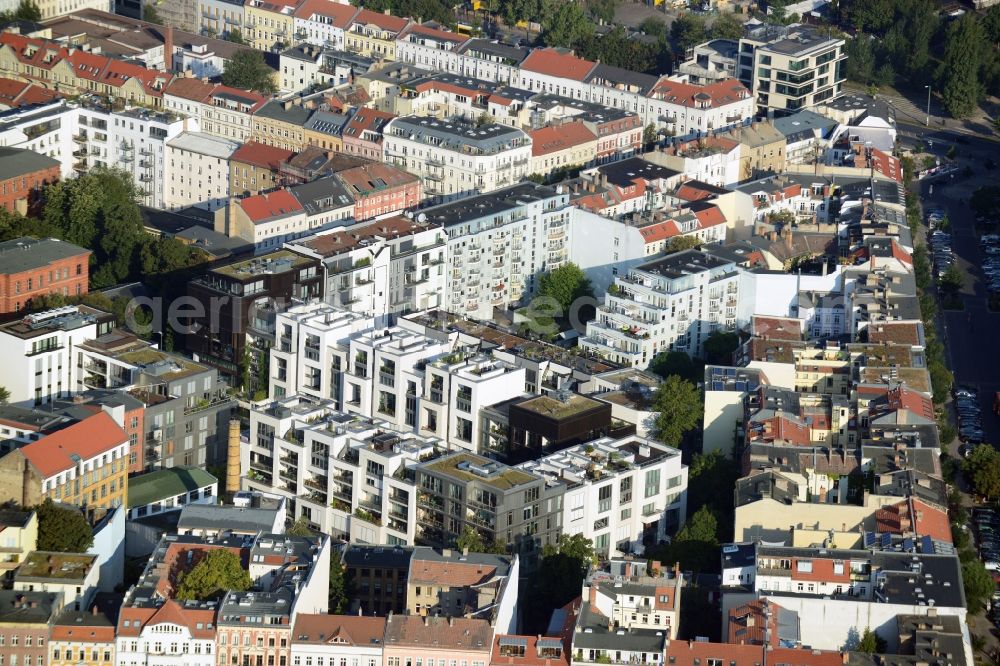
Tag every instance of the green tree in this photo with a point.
(701, 527)
(300, 528)
(720, 346)
(654, 27)
(150, 14)
(985, 200)
(871, 643)
(687, 31)
(952, 280)
(982, 469)
(676, 363)
(247, 70)
(872, 16)
(62, 529)
(340, 587)
(942, 380)
(861, 59)
(218, 572)
(696, 545)
(991, 25)
(558, 577)
(565, 284)
(978, 583)
(681, 243)
(565, 24)
(470, 539)
(235, 36)
(649, 135)
(679, 407)
(603, 10)
(4, 395)
(727, 26)
(27, 10)
(959, 80)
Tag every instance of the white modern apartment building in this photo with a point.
(386, 267)
(134, 140)
(669, 304)
(456, 387)
(621, 494)
(322, 22)
(47, 129)
(311, 351)
(456, 158)
(39, 352)
(499, 242)
(383, 379)
(198, 170)
(345, 474)
(790, 68)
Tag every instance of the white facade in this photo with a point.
(603, 247)
(166, 644)
(198, 170)
(318, 29)
(47, 129)
(612, 500)
(455, 158)
(133, 140)
(499, 242)
(670, 304)
(40, 362)
(345, 482)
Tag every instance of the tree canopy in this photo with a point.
(982, 469)
(340, 586)
(871, 643)
(27, 10)
(62, 529)
(677, 363)
(979, 584)
(962, 87)
(218, 572)
(720, 346)
(696, 545)
(565, 284)
(247, 70)
(300, 528)
(557, 580)
(679, 406)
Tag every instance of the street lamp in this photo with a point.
(928, 121)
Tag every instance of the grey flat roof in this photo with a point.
(623, 173)
(456, 134)
(683, 263)
(16, 162)
(488, 205)
(204, 144)
(214, 517)
(295, 114)
(26, 253)
(386, 557)
(322, 194)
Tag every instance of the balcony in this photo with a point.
(80, 138)
(80, 166)
(216, 403)
(316, 484)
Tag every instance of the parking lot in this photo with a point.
(970, 417)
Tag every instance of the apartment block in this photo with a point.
(85, 637)
(18, 537)
(240, 301)
(324, 468)
(498, 243)
(380, 575)
(791, 67)
(85, 464)
(220, 18)
(197, 166)
(668, 304)
(322, 22)
(72, 576)
(25, 619)
(34, 267)
(386, 267)
(456, 158)
(219, 110)
(134, 140)
(317, 638)
(624, 495)
(23, 177)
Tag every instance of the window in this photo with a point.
(652, 482)
(604, 498)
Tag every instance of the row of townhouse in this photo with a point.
(173, 409)
(389, 400)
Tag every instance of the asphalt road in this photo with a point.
(970, 334)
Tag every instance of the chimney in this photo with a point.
(93, 611)
(465, 552)
(168, 49)
(593, 597)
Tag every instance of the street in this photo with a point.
(967, 332)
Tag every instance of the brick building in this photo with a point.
(23, 173)
(33, 267)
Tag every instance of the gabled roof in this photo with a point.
(554, 138)
(265, 207)
(719, 93)
(260, 154)
(384, 21)
(421, 30)
(63, 449)
(559, 63)
(350, 630)
(340, 14)
(190, 88)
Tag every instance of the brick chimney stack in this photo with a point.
(168, 50)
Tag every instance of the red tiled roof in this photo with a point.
(692, 653)
(530, 657)
(384, 21)
(375, 176)
(190, 88)
(900, 254)
(715, 94)
(260, 154)
(453, 574)
(691, 192)
(654, 233)
(366, 120)
(340, 13)
(263, 207)
(749, 624)
(355, 630)
(554, 138)
(19, 93)
(435, 33)
(90, 437)
(710, 216)
(906, 398)
(559, 63)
